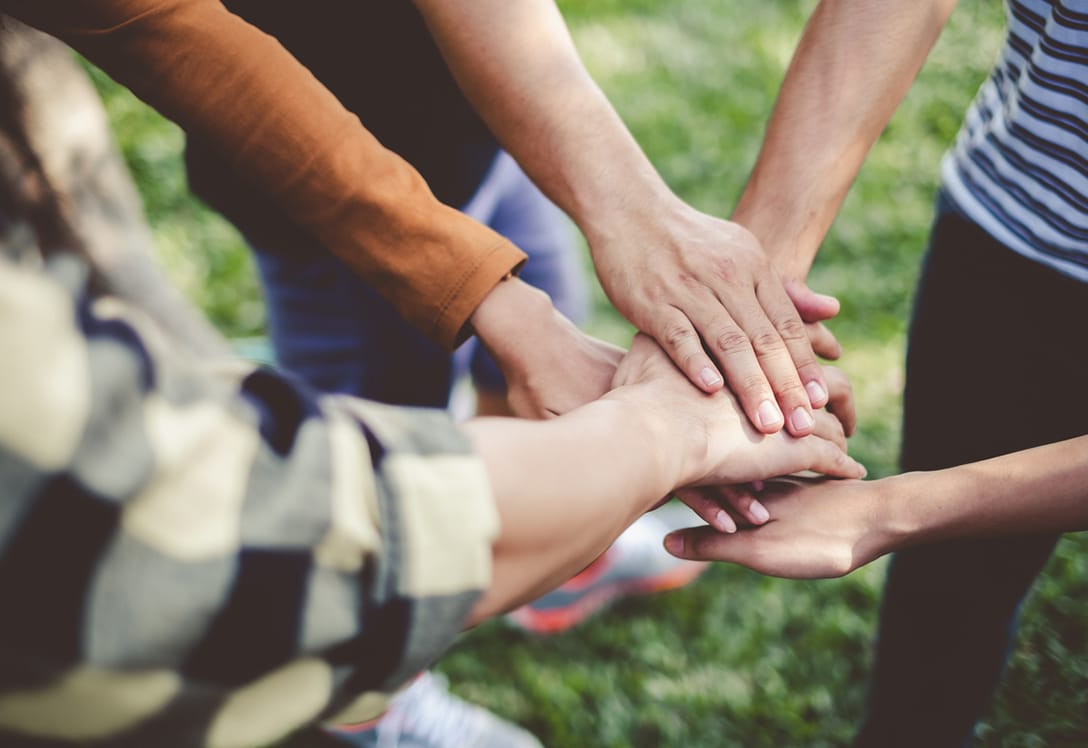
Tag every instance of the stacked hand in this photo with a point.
(706, 291)
(819, 529)
(721, 448)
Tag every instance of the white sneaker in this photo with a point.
(427, 715)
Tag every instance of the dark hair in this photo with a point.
(26, 195)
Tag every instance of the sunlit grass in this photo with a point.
(734, 659)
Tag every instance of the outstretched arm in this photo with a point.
(854, 63)
(685, 278)
(239, 90)
(830, 529)
(213, 538)
(566, 488)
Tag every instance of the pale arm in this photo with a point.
(550, 366)
(830, 529)
(683, 277)
(566, 488)
(854, 63)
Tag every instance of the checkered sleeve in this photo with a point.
(211, 555)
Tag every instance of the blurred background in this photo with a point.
(734, 659)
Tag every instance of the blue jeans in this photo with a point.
(338, 334)
(994, 365)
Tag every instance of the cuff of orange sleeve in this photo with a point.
(451, 325)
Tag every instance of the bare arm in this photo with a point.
(247, 96)
(854, 63)
(234, 492)
(550, 366)
(565, 489)
(683, 277)
(829, 529)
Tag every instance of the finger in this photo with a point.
(776, 362)
(828, 458)
(829, 427)
(704, 544)
(742, 500)
(675, 334)
(793, 333)
(841, 399)
(705, 503)
(824, 343)
(812, 306)
(732, 347)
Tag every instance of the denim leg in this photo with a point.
(512, 205)
(991, 369)
(339, 335)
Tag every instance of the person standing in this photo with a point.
(994, 360)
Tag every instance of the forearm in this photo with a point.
(854, 63)
(564, 490)
(1044, 489)
(518, 65)
(239, 90)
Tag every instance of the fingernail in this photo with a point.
(725, 522)
(801, 420)
(816, 393)
(768, 414)
(759, 512)
(674, 544)
(709, 377)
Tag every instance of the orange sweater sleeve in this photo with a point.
(240, 90)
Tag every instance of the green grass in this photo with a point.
(734, 659)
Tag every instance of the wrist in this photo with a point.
(643, 209)
(674, 445)
(901, 510)
(789, 242)
(504, 315)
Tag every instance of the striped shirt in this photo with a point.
(1019, 168)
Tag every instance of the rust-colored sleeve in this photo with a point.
(240, 90)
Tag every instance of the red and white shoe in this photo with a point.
(636, 564)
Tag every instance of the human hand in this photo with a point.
(690, 280)
(817, 529)
(550, 366)
(716, 444)
(727, 507)
(814, 309)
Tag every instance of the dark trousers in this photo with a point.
(996, 363)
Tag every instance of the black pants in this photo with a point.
(996, 363)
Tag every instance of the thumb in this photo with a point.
(707, 544)
(812, 306)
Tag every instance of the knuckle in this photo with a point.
(732, 341)
(753, 383)
(678, 336)
(791, 328)
(766, 341)
(726, 269)
(790, 391)
(688, 279)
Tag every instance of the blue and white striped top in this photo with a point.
(1019, 167)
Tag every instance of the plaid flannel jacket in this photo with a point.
(210, 554)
